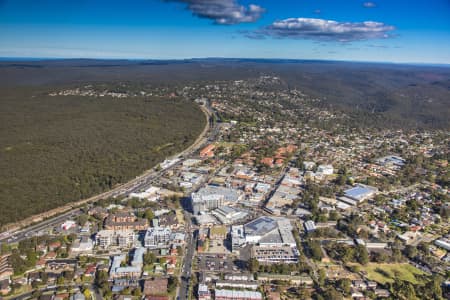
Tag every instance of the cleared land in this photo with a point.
(383, 273)
(55, 150)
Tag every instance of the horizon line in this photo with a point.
(49, 58)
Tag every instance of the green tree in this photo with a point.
(334, 215)
(149, 258)
(322, 276)
(82, 219)
(101, 281)
(362, 255)
(341, 179)
(332, 293)
(408, 291)
(149, 215)
(172, 284)
(44, 277)
(137, 292)
(87, 293)
(433, 288)
(315, 249)
(411, 251)
(345, 285)
(253, 265)
(5, 248)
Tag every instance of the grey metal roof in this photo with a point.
(260, 226)
(359, 192)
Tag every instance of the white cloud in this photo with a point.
(224, 12)
(324, 30)
(369, 4)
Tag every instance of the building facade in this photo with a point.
(120, 238)
(157, 237)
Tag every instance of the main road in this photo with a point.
(33, 225)
(183, 290)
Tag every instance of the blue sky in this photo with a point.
(384, 30)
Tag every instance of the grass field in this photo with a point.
(383, 273)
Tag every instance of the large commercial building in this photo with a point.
(212, 197)
(269, 231)
(266, 232)
(287, 192)
(360, 193)
(229, 215)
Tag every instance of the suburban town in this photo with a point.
(282, 198)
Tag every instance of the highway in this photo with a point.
(35, 229)
(141, 182)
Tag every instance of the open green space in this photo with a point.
(383, 273)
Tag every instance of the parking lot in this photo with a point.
(217, 247)
(219, 263)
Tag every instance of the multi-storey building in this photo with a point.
(121, 238)
(5, 268)
(157, 237)
(125, 220)
(118, 271)
(237, 237)
(203, 292)
(212, 197)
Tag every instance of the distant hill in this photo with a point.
(59, 149)
(411, 96)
